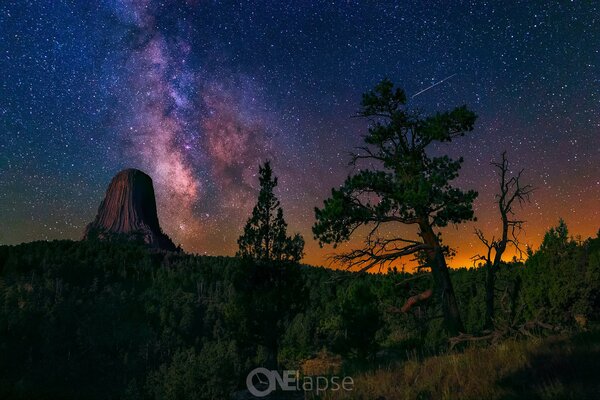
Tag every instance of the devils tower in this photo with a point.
(129, 210)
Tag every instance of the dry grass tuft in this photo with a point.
(323, 364)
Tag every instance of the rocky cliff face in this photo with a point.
(129, 210)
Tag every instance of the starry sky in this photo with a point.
(198, 93)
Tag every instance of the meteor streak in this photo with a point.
(429, 87)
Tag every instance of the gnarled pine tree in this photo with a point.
(403, 184)
(265, 234)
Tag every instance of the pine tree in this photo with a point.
(265, 234)
(399, 181)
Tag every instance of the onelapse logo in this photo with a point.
(261, 382)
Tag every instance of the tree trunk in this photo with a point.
(490, 274)
(490, 280)
(441, 276)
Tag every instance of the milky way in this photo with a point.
(198, 93)
(158, 127)
(183, 123)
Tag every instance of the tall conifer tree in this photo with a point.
(265, 234)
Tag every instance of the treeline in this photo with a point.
(115, 320)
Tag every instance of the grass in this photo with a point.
(560, 367)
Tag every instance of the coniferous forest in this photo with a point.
(100, 320)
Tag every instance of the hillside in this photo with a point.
(99, 320)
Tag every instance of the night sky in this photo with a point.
(197, 93)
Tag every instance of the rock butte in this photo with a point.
(129, 209)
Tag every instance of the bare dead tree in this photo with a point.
(512, 192)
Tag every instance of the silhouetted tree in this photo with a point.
(511, 192)
(402, 185)
(265, 234)
(556, 238)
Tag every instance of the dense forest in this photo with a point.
(102, 320)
